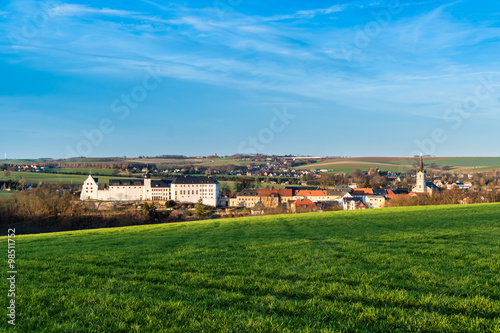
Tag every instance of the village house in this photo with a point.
(375, 201)
(272, 198)
(245, 198)
(353, 204)
(318, 195)
(302, 205)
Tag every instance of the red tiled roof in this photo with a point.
(391, 195)
(275, 192)
(313, 193)
(360, 205)
(305, 203)
(362, 191)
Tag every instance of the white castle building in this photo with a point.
(180, 189)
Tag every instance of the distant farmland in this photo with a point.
(51, 178)
(395, 164)
(335, 165)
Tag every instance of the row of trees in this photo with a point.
(13, 185)
(447, 197)
(42, 202)
(49, 208)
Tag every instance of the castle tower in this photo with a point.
(146, 190)
(421, 186)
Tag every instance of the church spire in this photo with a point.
(422, 166)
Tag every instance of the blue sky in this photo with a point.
(327, 78)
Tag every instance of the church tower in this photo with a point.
(421, 186)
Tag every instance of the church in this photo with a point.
(423, 186)
(180, 189)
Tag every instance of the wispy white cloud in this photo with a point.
(402, 64)
(170, 6)
(76, 10)
(307, 13)
(322, 11)
(312, 13)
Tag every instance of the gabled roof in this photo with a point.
(247, 192)
(432, 185)
(194, 180)
(346, 194)
(392, 195)
(275, 192)
(258, 206)
(320, 193)
(334, 192)
(126, 182)
(303, 188)
(96, 180)
(362, 191)
(400, 190)
(353, 199)
(305, 203)
(344, 188)
(360, 204)
(379, 192)
(161, 183)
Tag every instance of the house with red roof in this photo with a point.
(302, 204)
(271, 198)
(318, 195)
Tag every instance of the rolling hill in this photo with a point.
(432, 269)
(399, 164)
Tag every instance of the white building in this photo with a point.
(181, 189)
(374, 201)
(191, 189)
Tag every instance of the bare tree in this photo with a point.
(23, 182)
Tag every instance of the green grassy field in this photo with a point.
(224, 161)
(67, 179)
(337, 165)
(468, 161)
(395, 164)
(195, 161)
(418, 269)
(99, 171)
(232, 185)
(349, 168)
(51, 178)
(348, 165)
